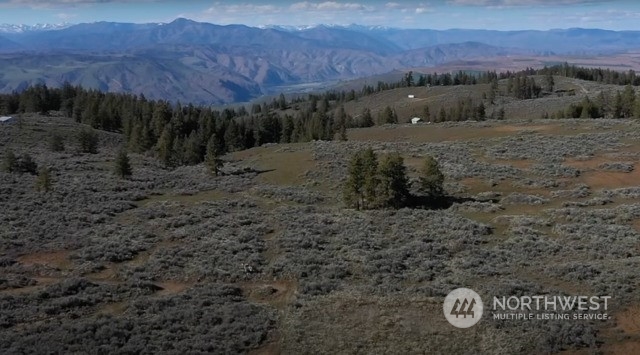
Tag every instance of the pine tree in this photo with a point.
(88, 141)
(164, 147)
(354, 187)
(394, 190)
(628, 101)
(287, 130)
(442, 116)
(549, 82)
(44, 180)
(123, 165)
(343, 133)
(192, 149)
(212, 158)
(178, 151)
(371, 179)
(26, 164)
(9, 162)
(431, 178)
(427, 114)
(56, 142)
(367, 119)
(480, 113)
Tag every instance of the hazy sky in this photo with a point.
(436, 14)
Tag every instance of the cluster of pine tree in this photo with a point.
(523, 87)
(375, 184)
(605, 76)
(464, 110)
(625, 104)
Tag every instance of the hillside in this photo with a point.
(438, 97)
(211, 64)
(266, 258)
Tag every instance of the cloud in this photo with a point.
(329, 6)
(64, 16)
(44, 4)
(510, 3)
(242, 8)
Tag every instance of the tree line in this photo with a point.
(187, 134)
(622, 104)
(180, 134)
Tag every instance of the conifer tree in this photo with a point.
(287, 130)
(88, 141)
(431, 178)
(56, 142)
(192, 149)
(354, 187)
(44, 181)
(123, 165)
(427, 114)
(212, 157)
(394, 190)
(371, 179)
(164, 147)
(367, 119)
(9, 162)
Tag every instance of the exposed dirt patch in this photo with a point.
(278, 294)
(515, 129)
(625, 347)
(625, 337)
(590, 163)
(113, 309)
(610, 179)
(599, 179)
(280, 166)
(523, 164)
(192, 199)
(108, 275)
(272, 348)
(55, 259)
(173, 287)
(629, 320)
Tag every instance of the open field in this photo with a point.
(265, 259)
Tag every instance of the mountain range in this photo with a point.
(211, 64)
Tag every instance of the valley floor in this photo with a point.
(265, 259)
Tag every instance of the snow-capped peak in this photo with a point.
(12, 28)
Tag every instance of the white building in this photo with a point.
(416, 120)
(5, 118)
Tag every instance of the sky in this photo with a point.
(434, 14)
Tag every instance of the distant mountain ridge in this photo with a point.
(213, 64)
(10, 28)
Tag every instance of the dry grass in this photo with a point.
(55, 259)
(434, 133)
(279, 166)
(187, 199)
